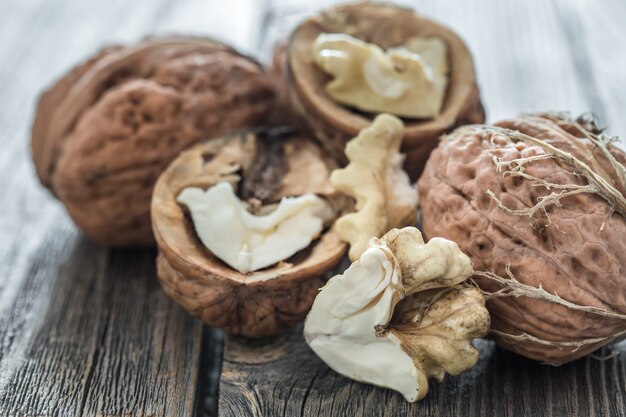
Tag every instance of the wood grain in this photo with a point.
(597, 40)
(95, 335)
(282, 377)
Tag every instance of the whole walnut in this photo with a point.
(105, 131)
(538, 203)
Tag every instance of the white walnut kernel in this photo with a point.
(384, 196)
(398, 315)
(432, 50)
(249, 242)
(408, 81)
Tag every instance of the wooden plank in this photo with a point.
(527, 59)
(282, 377)
(597, 41)
(236, 22)
(96, 335)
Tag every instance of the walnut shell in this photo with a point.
(556, 278)
(387, 26)
(105, 131)
(266, 168)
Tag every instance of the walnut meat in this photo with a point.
(105, 131)
(399, 81)
(384, 196)
(538, 203)
(387, 27)
(263, 168)
(400, 314)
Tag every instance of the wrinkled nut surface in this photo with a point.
(262, 167)
(538, 203)
(388, 27)
(399, 314)
(105, 131)
(398, 81)
(374, 177)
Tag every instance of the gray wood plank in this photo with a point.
(96, 336)
(596, 36)
(531, 55)
(282, 377)
(85, 330)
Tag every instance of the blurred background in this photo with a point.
(529, 54)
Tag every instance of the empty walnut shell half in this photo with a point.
(386, 26)
(105, 131)
(538, 202)
(260, 166)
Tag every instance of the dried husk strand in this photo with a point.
(599, 181)
(511, 287)
(586, 126)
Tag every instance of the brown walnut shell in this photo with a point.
(105, 131)
(555, 278)
(260, 303)
(386, 26)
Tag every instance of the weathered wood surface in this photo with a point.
(282, 377)
(530, 55)
(87, 331)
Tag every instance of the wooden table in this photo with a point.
(87, 331)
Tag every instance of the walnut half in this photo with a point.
(262, 168)
(388, 27)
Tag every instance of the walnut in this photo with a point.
(250, 236)
(409, 83)
(263, 168)
(388, 27)
(538, 202)
(384, 196)
(105, 131)
(400, 314)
